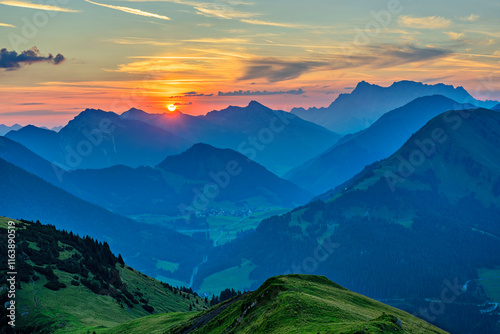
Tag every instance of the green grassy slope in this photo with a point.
(98, 291)
(287, 304)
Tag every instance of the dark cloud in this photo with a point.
(276, 70)
(183, 104)
(11, 60)
(196, 94)
(437, 79)
(37, 113)
(375, 57)
(412, 54)
(299, 91)
(59, 59)
(191, 94)
(30, 104)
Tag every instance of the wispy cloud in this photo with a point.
(429, 22)
(268, 23)
(175, 57)
(222, 11)
(275, 70)
(140, 41)
(218, 40)
(7, 25)
(370, 57)
(223, 53)
(470, 18)
(299, 91)
(455, 36)
(130, 10)
(219, 9)
(155, 66)
(392, 55)
(26, 4)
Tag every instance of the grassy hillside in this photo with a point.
(68, 284)
(287, 304)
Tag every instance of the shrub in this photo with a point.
(148, 308)
(54, 285)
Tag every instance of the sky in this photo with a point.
(59, 57)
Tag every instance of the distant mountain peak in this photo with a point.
(134, 111)
(31, 128)
(4, 129)
(90, 114)
(363, 84)
(134, 114)
(92, 111)
(254, 108)
(255, 104)
(355, 111)
(202, 148)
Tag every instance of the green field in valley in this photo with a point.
(490, 280)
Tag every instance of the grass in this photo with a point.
(312, 304)
(490, 280)
(76, 309)
(230, 225)
(65, 306)
(167, 266)
(171, 281)
(4, 222)
(158, 323)
(292, 304)
(236, 277)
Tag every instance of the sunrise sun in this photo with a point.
(171, 107)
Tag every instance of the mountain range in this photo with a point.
(384, 137)
(179, 185)
(4, 128)
(404, 208)
(98, 139)
(355, 111)
(406, 228)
